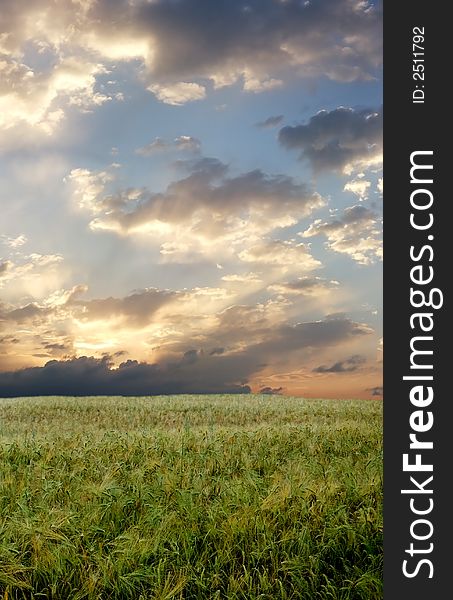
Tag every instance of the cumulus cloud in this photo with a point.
(222, 42)
(270, 122)
(356, 234)
(359, 187)
(343, 139)
(343, 366)
(39, 100)
(208, 207)
(178, 93)
(136, 309)
(178, 50)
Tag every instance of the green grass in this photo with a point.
(190, 497)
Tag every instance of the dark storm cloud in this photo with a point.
(376, 391)
(343, 366)
(183, 39)
(262, 341)
(195, 371)
(337, 139)
(91, 376)
(271, 391)
(217, 351)
(340, 38)
(270, 122)
(328, 332)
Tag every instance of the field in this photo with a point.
(190, 497)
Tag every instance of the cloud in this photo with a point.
(222, 42)
(4, 267)
(242, 278)
(26, 313)
(158, 145)
(270, 122)
(87, 376)
(15, 242)
(256, 85)
(39, 100)
(185, 143)
(177, 50)
(89, 186)
(32, 275)
(376, 391)
(305, 286)
(343, 139)
(178, 93)
(343, 366)
(220, 369)
(359, 187)
(207, 208)
(311, 335)
(136, 310)
(356, 234)
(271, 391)
(280, 253)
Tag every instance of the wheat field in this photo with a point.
(190, 497)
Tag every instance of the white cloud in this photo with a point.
(243, 278)
(31, 276)
(36, 102)
(15, 242)
(357, 234)
(359, 187)
(178, 93)
(256, 85)
(88, 186)
(278, 253)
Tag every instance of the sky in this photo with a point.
(191, 197)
